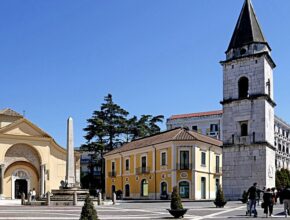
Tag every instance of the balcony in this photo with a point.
(142, 170)
(218, 171)
(184, 166)
(112, 174)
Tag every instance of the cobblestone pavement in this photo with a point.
(134, 210)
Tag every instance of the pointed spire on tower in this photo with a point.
(247, 30)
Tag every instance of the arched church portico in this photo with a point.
(22, 171)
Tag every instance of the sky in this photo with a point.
(59, 58)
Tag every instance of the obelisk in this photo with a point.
(70, 161)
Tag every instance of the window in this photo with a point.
(203, 158)
(127, 165)
(268, 85)
(144, 187)
(244, 129)
(143, 164)
(194, 128)
(184, 189)
(127, 190)
(214, 128)
(217, 184)
(243, 87)
(184, 160)
(143, 161)
(217, 164)
(163, 159)
(113, 166)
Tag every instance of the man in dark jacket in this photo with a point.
(286, 199)
(252, 192)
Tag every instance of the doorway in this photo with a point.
(203, 188)
(20, 187)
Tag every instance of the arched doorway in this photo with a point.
(20, 183)
(22, 172)
(127, 190)
(144, 188)
(184, 189)
(163, 191)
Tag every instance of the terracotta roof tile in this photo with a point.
(199, 114)
(9, 112)
(177, 134)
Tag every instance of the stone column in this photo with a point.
(1, 180)
(70, 162)
(42, 179)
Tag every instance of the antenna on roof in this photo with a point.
(23, 113)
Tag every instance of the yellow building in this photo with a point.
(29, 157)
(150, 167)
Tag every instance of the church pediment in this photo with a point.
(23, 127)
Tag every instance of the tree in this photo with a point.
(145, 126)
(88, 211)
(282, 178)
(220, 200)
(104, 130)
(109, 128)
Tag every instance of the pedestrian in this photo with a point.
(33, 194)
(268, 202)
(252, 192)
(29, 195)
(274, 197)
(286, 199)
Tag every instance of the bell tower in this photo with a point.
(248, 108)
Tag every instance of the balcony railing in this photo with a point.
(112, 174)
(142, 170)
(184, 166)
(218, 170)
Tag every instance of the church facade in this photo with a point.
(29, 158)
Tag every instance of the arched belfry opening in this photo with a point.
(243, 87)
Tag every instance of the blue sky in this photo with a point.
(59, 58)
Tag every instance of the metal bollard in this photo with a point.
(48, 198)
(75, 198)
(99, 198)
(114, 198)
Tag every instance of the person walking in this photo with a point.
(252, 192)
(286, 200)
(268, 202)
(33, 195)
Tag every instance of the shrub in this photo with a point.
(175, 200)
(220, 200)
(88, 211)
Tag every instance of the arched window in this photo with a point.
(184, 189)
(127, 190)
(244, 129)
(144, 187)
(243, 87)
(163, 188)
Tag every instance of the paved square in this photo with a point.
(132, 210)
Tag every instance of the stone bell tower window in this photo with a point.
(243, 87)
(244, 129)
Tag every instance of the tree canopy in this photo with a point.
(110, 127)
